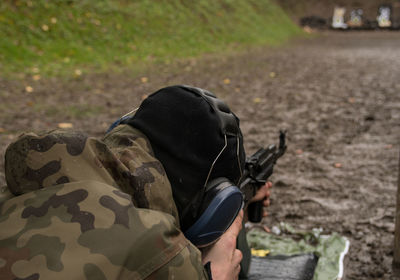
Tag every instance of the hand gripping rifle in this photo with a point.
(258, 169)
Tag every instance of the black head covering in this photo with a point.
(186, 133)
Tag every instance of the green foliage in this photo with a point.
(59, 36)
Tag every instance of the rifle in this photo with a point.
(258, 169)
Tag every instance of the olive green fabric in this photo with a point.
(330, 249)
(80, 209)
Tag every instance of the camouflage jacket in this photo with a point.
(81, 208)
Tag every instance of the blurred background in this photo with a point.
(326, 71)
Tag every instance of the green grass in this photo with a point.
(70, 37)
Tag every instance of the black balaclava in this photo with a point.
(185, 134)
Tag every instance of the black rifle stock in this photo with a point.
(258, 169)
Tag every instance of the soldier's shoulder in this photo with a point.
(48, 229)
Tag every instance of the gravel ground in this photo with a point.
(337, 95)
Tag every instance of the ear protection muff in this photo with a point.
(221, 204)
(222, 200)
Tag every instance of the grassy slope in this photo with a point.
(68, 37)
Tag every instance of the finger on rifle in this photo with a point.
(261, 193)
(237, 257)
(237, 271)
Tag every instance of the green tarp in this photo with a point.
(330, 249)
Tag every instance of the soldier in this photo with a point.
(117, 208)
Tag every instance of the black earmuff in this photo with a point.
(221, 204)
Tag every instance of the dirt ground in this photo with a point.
(337, 95)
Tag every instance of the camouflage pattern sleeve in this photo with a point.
(124, 159)
(142, 175)
(75, 213)
(5, 194)
(186, 265)
(36, 161)
(90, 230)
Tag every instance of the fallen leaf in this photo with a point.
(257, 100)
(96, 22)
(307, 29)
(29, 103)
(29, 89)
(2, 130)
(78, 72)
(45, 27)
(260, 252)
(299, 151)
(67, 59)
(35, 70)
(36, 77)
(144, 80)
(338, 165)
(237, 89)
(352, 100)
(65, 125)
(272, 74)
(227, 81)
(266, 229)
(105, 125)
(53, 20)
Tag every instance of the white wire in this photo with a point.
(215, 160)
